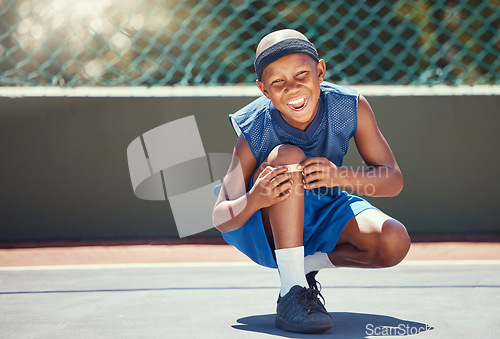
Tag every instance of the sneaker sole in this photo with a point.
(300, 328)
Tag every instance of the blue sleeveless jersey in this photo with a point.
(328, 135)
(326, 210)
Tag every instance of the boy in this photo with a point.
(281, 202)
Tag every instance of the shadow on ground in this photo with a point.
(346, 325)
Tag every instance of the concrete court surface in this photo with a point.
(221, 299)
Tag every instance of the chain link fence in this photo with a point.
(212, 42)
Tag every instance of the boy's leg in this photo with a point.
(298, 309)
(372, 239)
(284, 221)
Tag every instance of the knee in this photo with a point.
(394, 244)
(285, 154)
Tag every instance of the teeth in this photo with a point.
(298, 104)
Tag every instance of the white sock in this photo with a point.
(291, 268)
(317, 261)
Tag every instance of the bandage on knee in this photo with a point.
(293, 168)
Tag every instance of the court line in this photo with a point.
(225, 264)
(198, 288)
(236, 91)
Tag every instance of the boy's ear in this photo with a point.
(262, 88)
(321, 68)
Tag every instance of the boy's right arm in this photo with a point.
(234, 204)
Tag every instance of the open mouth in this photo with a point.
(298, 104)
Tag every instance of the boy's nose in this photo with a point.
(292, 86)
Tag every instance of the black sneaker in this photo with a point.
(301, 311)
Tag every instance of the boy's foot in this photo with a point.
(301, 311)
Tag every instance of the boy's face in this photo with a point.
(292, 83)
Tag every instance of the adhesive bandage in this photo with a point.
(294, 168)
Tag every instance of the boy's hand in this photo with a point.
(273, 185)
(319, 172)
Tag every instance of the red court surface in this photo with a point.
(71, 254)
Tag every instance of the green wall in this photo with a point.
(64, 172)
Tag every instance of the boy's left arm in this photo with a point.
(383, 176)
